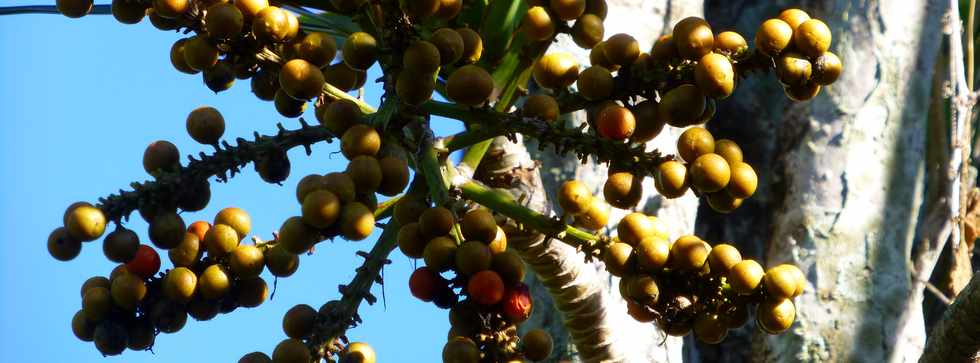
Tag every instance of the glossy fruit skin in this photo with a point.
(689, 253)
(485, 287)
(634, 227)
(449, 9)
(595, 83)
(728, 150)
(775, 316)
(213, 282)
(773, 36)
(574, 197)
(127, 291)
(745, 276)
(62, 246)
(664, 50)
(588, 31)
(317, 48)
(321, 209)
(472, 45)
(356, 221)
(280, 262)
(731, 44)
(812, 37)
(619, 258)
(291, 351)
(360, 50)
(237, 219)
(146, 263)
(424, 283)
(171, 8)
(439, 254)
(537, 345)
(460, 349)
(251, 8)
(472, 257)
(597, 57)
(220, 240)
(682, 106)
(200, 54)
(272, 25)
(793, 17)
(715, 76)
(499, 242)
(596, 216)
(784, 282)
(518, 304)
(621, 49)
(224, 21)
(301, 80)
(469, 85)
(297, 237)
(344, 77)
(723, 258)
(537, 24)
(110, 338)
(298, 322)
(247, 261)
(793, 69)
(616, 123)
(308, 184)
(127, 12)
(672, 179)
(86, 223)
(693, 38)
(179, 284)
(643, 290)
(555, 70)
(694, 142)
(652, 254)
(358, 352)
(826, 69)
(710, 173)
(177, 56)
(568, 9)
(623, 190)
(743, 182)
(360, 140)
(422, 57)
(340, 116)
(167, 230)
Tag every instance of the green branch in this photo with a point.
(224, 163)
(506, 205)
(487, 124)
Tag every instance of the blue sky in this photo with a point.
(79, 101)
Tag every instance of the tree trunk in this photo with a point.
(841, 180)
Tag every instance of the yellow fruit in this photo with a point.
(729, 150)
(743, 181)
(793, 17)
(472, 44)
(621, 49)
(784, 282)
(689, 253)
(775, 317)
(360, 51)
(556, 70)
(223, 21)
(301, 79)
(246, 261)
(693, 38)
(793, 69)
(86, 223)
(722, 258)
(360, 140)
(213, 282)
(745, 276)
(694, 142)
(537, 24)
(812, 37)
(595, 83)
(773, 36)
(574, 197)
(715, 76)
(449, 43)
(595, 217)
(664, 49)
(710, 173)
(826, 69)
(652, 253)
(731, 44)
(623, 190)
(672, 179)
(619, 258)
(273, 24)
(317, 48)
(200, 53)
(634, 227)
(682, 106)
(568, 9)
(356, 221)
(251, 8)
(296, 237)
(540, 106)
(588, 31)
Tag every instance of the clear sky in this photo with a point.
(79, 101)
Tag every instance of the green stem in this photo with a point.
(338, 94)
(506, 205)
(429, 167)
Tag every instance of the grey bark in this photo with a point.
(956, 338)
(840, 180)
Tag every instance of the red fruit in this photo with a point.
(146, 263)
(518, 304)
(424, 284)
(199, 228)
(486, 287)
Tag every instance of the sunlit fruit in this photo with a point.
(272, 24)
(743, 181)
(317, 48)
(775, 317)
(715, 75)
(693, 38)
(86, 223)
(616, 122)
(246, 261)
(793, 17)
(574, 197)
(623, 190)
(237, 219)
(784, 282)
(773, 36)
(619, 258)
(728, 150)
(745, 276)
(652, 253)
(812, 37)
(588, 31)
(634, 227)
(360, 140)
(710, 173)
(689, 253)
(731, 44)
(555, 70)
(595, 217)
(537, 24)
(621, 49)
(722, 258)
(301, 79)
(595, 83)
(694, 142)
(213, 282)
(568, 9)
(171, 8)
(187, 252)
(793, 69)
(356, 221)
(826, 69)
(220, 240)
(321, 209)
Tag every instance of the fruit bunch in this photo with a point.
(713, 169)
(300, 323)
(212, 272)
(451, 52)
(487, 275)
(689, 285)
(799, 45)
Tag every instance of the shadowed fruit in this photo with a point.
(321, 209)
(710, 328)
(121, 245)
(146, 263)
(618, 258)
(485, 287)
(251, 292)
(436, 221)
(223, 21)
(74, 8)
(295, 236)
(177, 57)
(460, 349)
(449, 43)
(128, 12)
(291, 351)
(424, 283)
(472, 44)
(272, 24)
(62, 246)
(365, 171)
(340, 184)
(682, 106)
(141, 334)
(127, 291)
(255, 357)
(595, 83)
(394, 175)
(360, 140)
(414, 90)
(540, 106)
(96, 304)
(410, 241)
(317, 48)
(301, 80)
(110, 338)
(623, 190)
(509, 266)
(568, 9)
(299, 321)
(94, 281)
(440, 254)
(469, 85)
(360, 50)
(187, 252)
(801, 93)
(265, 83)
(648, 121)
(588, 31)
(621, 49)
(537, 345)
(167, 230)
(339, 116)
(479, 225)
(731, 44)
(421, 57)
(205, 125)
(159, 156)
(663, 49)
(280, 262)
(420, 9)
(472, 257)
(200, 53)
(517, 304)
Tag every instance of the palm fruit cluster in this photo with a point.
(491, 300)
(712, 168)
(213, 272)
(448, 54)
(800, 47)
(299, 324)
(689, 285)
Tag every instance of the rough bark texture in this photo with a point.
(956, 338)
(639, 342)
(840, 180)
